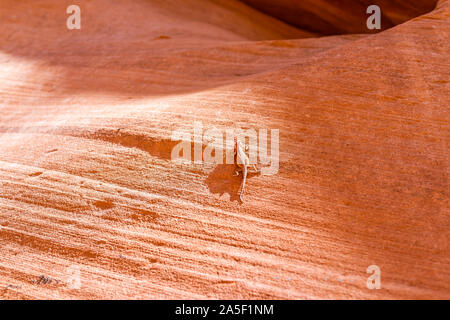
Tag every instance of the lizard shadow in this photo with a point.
(222, 180)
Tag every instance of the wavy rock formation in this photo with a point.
(91, 205)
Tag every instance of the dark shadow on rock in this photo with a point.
(157, 147)
(222, 180)
(343, 16)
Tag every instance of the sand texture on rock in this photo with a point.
(87, 185)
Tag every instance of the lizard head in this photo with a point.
(239, 145)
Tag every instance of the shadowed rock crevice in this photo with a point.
(331, 17)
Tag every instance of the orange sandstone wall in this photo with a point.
(91, 205)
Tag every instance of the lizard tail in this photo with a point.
(241, 193)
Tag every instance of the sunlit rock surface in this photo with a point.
(88, 188)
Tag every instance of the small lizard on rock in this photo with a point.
(243, 165)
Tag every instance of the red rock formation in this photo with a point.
(87, 183)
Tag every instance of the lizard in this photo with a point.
(243, 164)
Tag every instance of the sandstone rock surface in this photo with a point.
(88, 188)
